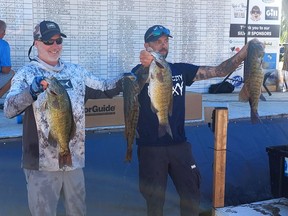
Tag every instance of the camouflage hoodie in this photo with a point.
(38, 153)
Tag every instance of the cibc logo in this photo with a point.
(100, 110)
(271, 13)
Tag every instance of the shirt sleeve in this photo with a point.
(189, 71)
(18, 97)
(95, 82)
(96, 87)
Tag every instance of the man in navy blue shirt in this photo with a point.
(162, 156)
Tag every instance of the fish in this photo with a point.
(160, 92)
(132, 85)
(253, 78)
(131, 111)
(159, 77)
(60, 120)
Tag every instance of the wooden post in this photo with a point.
(220, 140)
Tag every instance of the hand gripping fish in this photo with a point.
(160, 92)
(132, 85)
(60, 120)
(253, 78)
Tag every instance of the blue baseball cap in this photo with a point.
(155, 32)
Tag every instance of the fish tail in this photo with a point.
(244, 94)
(128, 155)
(130, 141)
(254, 117)
(65, 160)
(262, 97)
(163, 129)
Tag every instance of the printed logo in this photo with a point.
(66, 84)
(177, 85)
(236, 81)
(271, 13)
(50, 26)
(239, 10)
(100, 110)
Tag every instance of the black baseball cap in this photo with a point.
(155, 32)
(45, 30)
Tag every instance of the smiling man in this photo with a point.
(47, 174)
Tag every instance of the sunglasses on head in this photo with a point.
(51, 41)
(159, 30)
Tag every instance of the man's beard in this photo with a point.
(164, 50)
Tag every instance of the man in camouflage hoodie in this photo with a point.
(45, 178)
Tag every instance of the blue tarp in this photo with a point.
(112, 184)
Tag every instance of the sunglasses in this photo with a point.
(159, 30)
(255, 12)
(51, 41)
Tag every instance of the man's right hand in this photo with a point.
(146, 58)
(36, 87)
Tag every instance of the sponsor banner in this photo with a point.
(267, 31)
(262, 18)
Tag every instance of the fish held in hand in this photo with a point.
(253, 78)
(160, 92)
(131, 111)
(132, 85)
(60, 120)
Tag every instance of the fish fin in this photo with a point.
(73, 130)
(128, 157)
(130, 140)
(262, 97)
(43, 105)
(65, 160)
(244, 94)
(142, 74)
(255, 117)
(148, 80)
(163, 129)
(137, 134)
(159, 64)
(51, 140)
(154, 110)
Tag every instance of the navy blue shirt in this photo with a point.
(182, 75)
